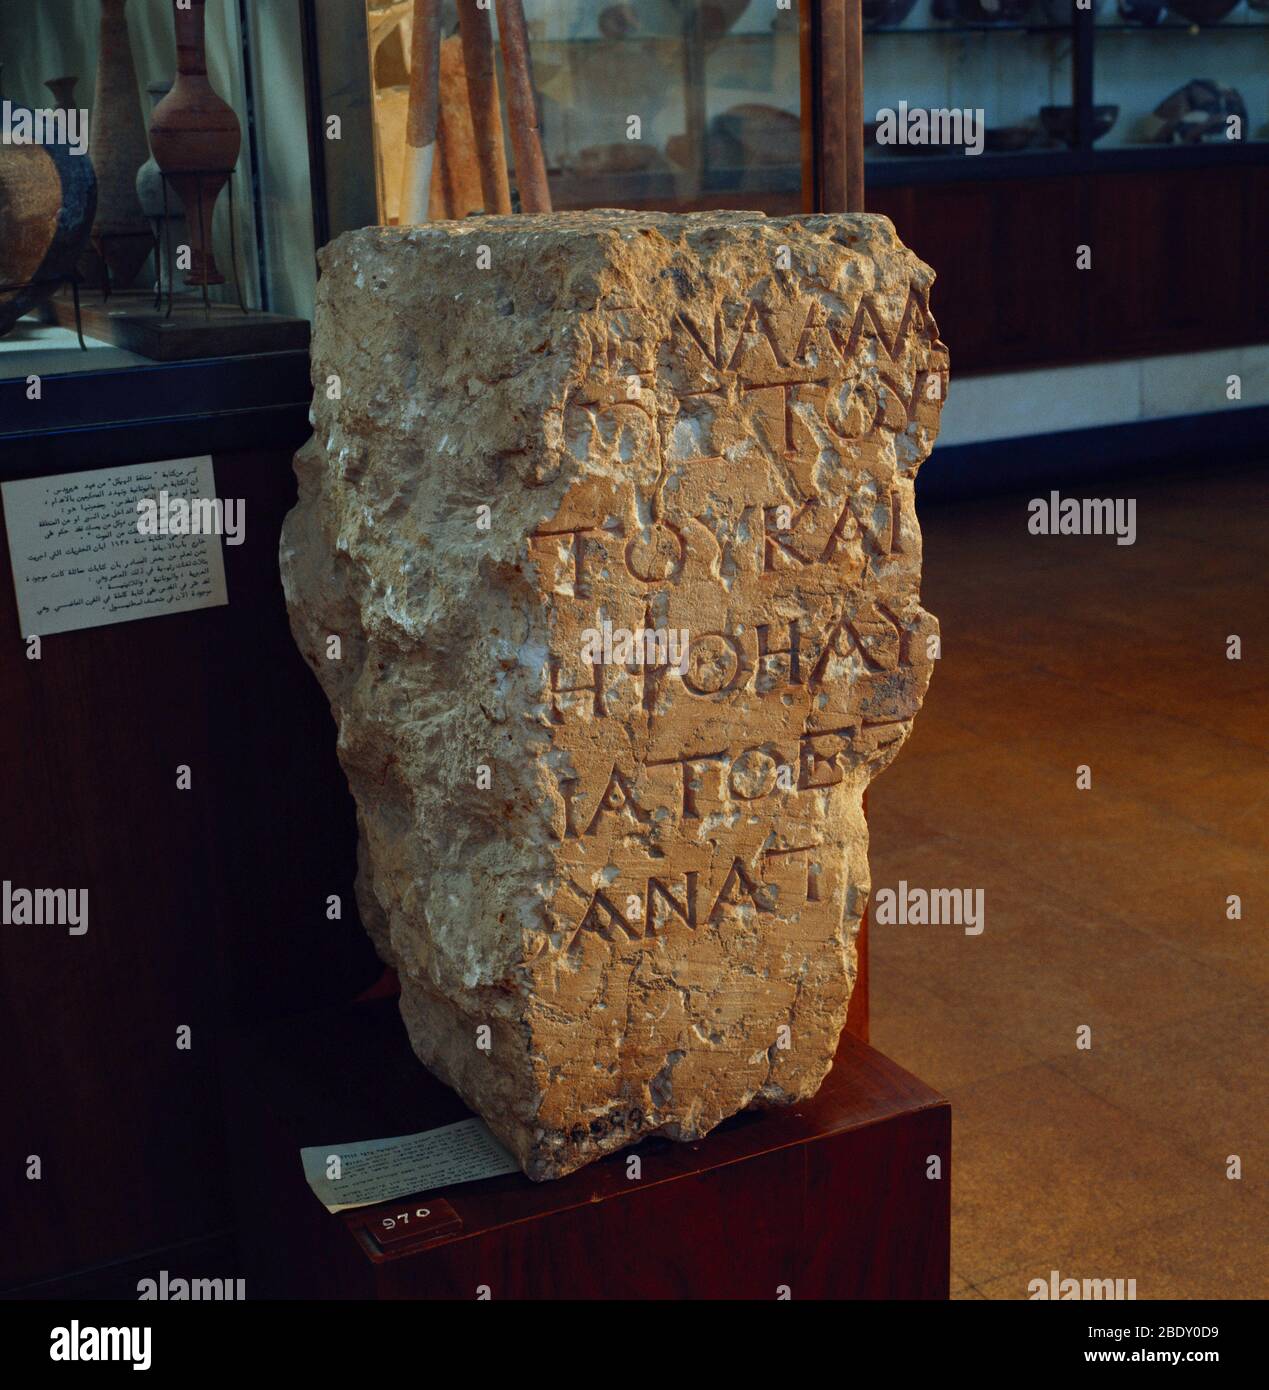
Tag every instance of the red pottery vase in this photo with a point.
(196, 139)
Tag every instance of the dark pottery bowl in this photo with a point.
(1145, 12)
(982, 11)
(1059, 122)
(1007, 139)
(1203, 11)
(886, 14)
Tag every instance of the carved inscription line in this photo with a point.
(757, 320)
(818, 768)
(639, 390)
(630, 917)
(666, 541)
(818, 382)
(735, 666)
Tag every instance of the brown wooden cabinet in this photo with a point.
(1174, 263)
(205, 905)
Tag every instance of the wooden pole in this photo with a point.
(839, 104)
(443, 196)
(482, 94)
(694, 109)
(424, 113)
(806, 94)
(854, 65)
(522, 108)
(829, 41)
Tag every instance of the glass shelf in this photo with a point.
(1155, 73)
(1004, 73)
(955, 30)
(1173, 27)
(1168, 26)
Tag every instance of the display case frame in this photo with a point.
(638, 192)
(148, 407)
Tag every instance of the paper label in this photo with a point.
(378, 1170)
(80, 559)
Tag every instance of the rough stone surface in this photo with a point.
(646, 922)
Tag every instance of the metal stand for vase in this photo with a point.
(198, 175)
(71, 279)
(101, 238)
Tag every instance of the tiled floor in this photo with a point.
(1104, 907)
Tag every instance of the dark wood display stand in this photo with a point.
(828, 1199)
(129, 320)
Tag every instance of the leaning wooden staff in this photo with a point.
(423, 122)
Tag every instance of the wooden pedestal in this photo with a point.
(129, 320)
(828, 1199)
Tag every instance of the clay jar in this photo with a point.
(48, 199)
(63, 89)
(196, 139)
(116, 146)
(149, 179)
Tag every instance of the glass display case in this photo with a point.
(1008, 79)
(673, 104)
(155, 195)
(1070, 86)
(670, 104)
(1175, 76)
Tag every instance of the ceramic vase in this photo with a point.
(168, 228)
(47, 199)
(149, 177)
(117, 148)
(196, 139)
(63, 89)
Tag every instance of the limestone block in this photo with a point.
(617, 508)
